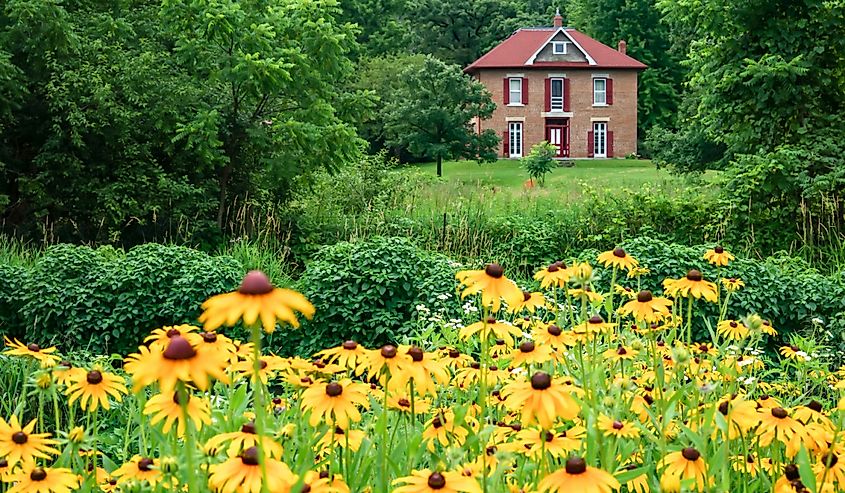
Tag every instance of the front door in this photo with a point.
(557, 134)
(515, 136)
(600, 139)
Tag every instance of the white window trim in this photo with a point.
(563, 44)
(562, 93)
(595, 153)
(512, 140)
(520, 119)
(595, 104)
(604, 119)
(519, 100)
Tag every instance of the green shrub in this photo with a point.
(368, 291)
(540, 161)
(80, 297)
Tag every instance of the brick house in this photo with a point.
(562, 86)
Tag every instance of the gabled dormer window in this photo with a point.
(560, 47)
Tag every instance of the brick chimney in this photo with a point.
(623, 47)
(558, 19)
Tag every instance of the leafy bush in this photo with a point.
(81, 297)
(540, 161)
(368, 291)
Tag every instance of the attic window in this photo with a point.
(559, 47)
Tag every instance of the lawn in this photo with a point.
(505, 185)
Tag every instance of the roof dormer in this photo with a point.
(561, 47)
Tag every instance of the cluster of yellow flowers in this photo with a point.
(558, 390)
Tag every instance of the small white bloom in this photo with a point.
(746, 362)
(443, 296)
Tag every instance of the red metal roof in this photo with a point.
(518, 49)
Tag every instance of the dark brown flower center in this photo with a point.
(595, 319)
(621, 351)
(66, 364)
(19, 437)
(94, 377)
(416, 354)
(549, 436)
(694, 275)
(494, 270)
(491, 450)
(554, 330)
(178, 349)
(38, 474)
(209, 337)
(334, 389)
(795, 348)
(4, 463)
(644, 296)
(576, 465)
(403, 402)
(350, 345)
(436, 481)
(436, 422)
(454, 353)
(791, 472)
(527, 346)
(250, 456)
(34, 348)
(173, 332)
(815, 406)
(500, 342)
(145, 464)
(491, 320)
(723, 408)
(255, 282)
(248, 428)
(831, 460)
(552, 268)
(719, 249)
(619, 252)
(690, 454)
(526, 296)
(388, 351)
(475, 365)
(181, 397)
(306, 380)
(541, 381)
(618, 425)
(779, 412)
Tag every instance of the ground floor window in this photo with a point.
(600, 139)
(515, 139)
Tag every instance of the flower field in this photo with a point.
(588, 384)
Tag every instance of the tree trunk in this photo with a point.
(223, 182)
(439, 166)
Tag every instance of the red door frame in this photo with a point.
(563, 125)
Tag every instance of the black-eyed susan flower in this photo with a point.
(427, 481)
(692, 285)
(576, 475)
(787, 483)
(37, 479)
(159, 338)
(638, 272)
(335, 402)
(530, 302)
(528, 353)
(426, 371)
(646, 307)
(638, 483)
(777, 424)
(34, 351)
(549, 334)
(268, 366)
(586, 294)
(349, 355)
(625, 291)
(617, 427)
(732, 284)
(555, 275)
(684, 465)
(338, 437)
(812, 412)
(741, 416)
(167, 407)
(323, 482)
(443, 430)
(534, 441)
(621, 353)
(179, 361)
(403, 403)
(92, 389)
(242, 474)
(540, 399)
(492, 284)
(18, 444)
(793, 352)
(617, 258)
(766, 328)
(256, 299)
(490, 326)
(718, 256)
(139, 469)
(241, 440)
(732, 330)
(387, 360)
(747, 464)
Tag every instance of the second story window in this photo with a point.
(600, 91)
(559, 47)
(515, 90)
(556, 96)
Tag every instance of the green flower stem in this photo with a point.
(190, 446)
(258, 403)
